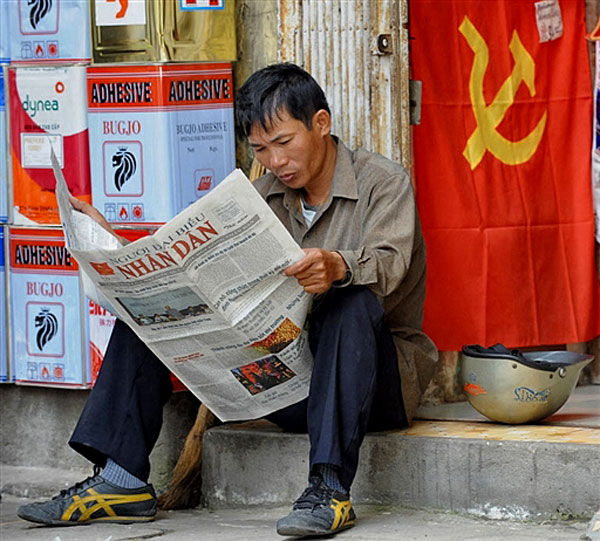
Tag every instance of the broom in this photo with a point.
(183, 491)
(184, 488)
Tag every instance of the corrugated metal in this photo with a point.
(336, 41)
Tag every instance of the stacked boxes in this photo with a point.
(5, 372)
(4, 60)
(47, 104)
(139, 141)
(49, 45)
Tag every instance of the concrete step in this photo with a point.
(38, 482)
(481, 468)
(547, 470)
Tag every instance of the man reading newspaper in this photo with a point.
(353, 213)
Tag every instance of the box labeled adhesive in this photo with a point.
(160, 136)
(4, 363)
(47, 110)
(47, 311)
(163, 30)
(4, 172)
(48, 30)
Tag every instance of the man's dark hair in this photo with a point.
(275, 89)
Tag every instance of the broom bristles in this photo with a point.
(184, 488)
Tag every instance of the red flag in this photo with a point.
(502, 171)
(102, 268)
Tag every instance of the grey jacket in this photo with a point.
(370, 218)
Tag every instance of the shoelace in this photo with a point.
(316, 495)
(73, 489)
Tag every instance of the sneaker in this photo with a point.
(320, 510)
(93, 500)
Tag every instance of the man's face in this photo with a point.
(292, 152)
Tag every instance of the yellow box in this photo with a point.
(163, 30)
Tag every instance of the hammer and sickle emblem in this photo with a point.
(486, 137)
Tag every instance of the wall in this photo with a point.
(37, 423)
(256, 27)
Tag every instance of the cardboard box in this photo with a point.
(48, 311)
(43, 31)
(160, 136)
(47, 110)
(163, 30)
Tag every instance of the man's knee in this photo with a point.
(355, 302)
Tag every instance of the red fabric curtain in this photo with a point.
(502, 170)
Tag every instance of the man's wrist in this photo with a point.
(345, 280)
(346, 277)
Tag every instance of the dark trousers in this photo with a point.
(355, 387)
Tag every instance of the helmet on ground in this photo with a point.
(512, 387)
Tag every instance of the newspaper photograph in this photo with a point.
(207, 295)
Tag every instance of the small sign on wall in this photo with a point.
(549, 20)
(120, 12)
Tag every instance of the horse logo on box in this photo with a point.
(48, 327)
(125, 166)
(39, 9)
(37, 17)
(123, 169)
(45, 329)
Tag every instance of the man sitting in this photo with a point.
(353, 213)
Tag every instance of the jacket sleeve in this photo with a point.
(383, 257)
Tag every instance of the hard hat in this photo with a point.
(512, 387)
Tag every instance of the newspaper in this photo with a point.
(207, 295)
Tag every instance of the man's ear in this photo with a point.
(321, 121)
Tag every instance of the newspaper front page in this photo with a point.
(207, 295)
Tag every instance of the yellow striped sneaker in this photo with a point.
(93, 500)
(320, 510)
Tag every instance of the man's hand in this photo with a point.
(317, 270)
(94, 214)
